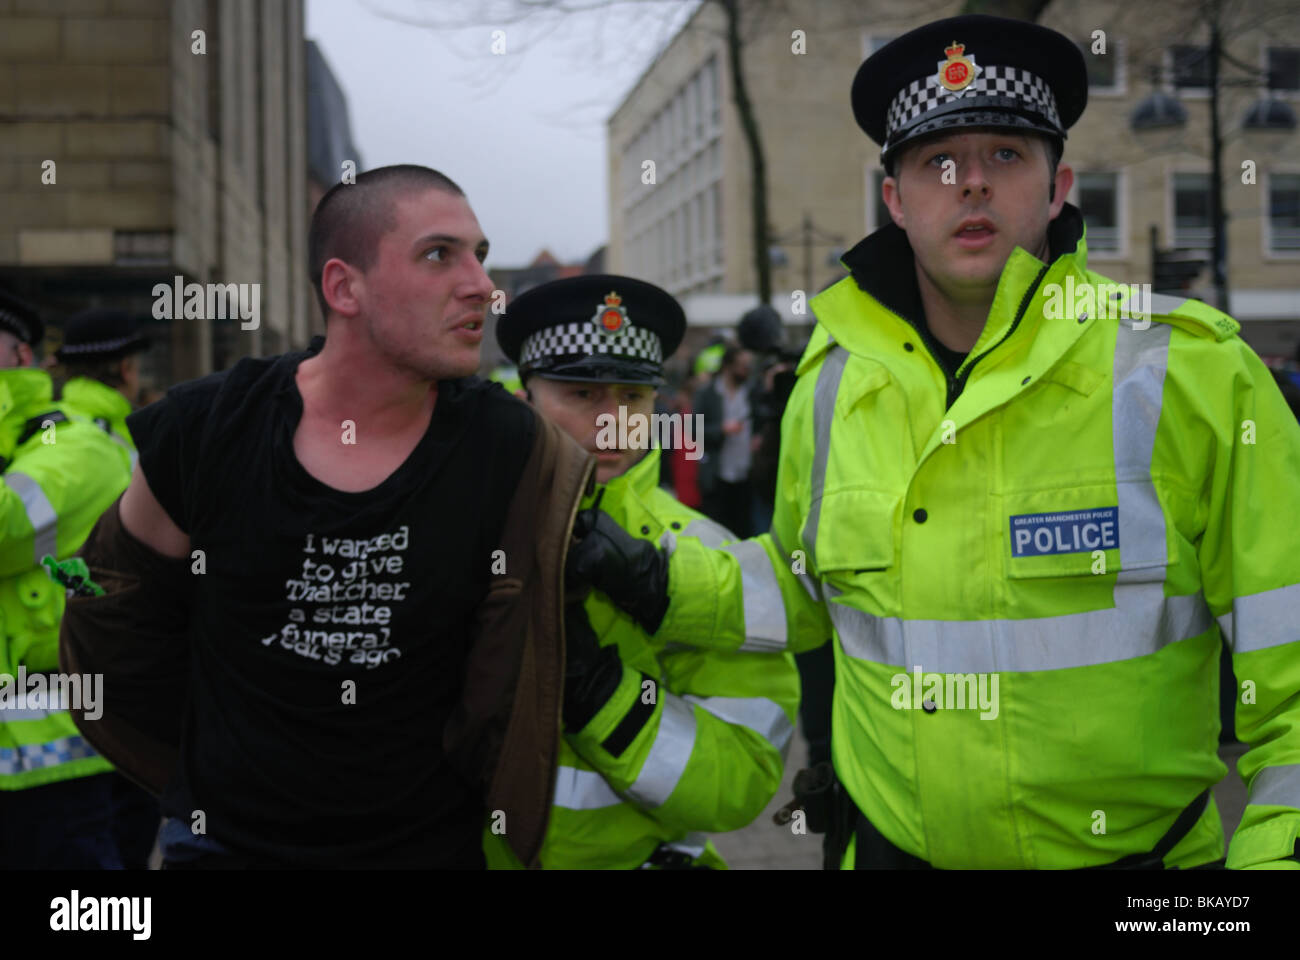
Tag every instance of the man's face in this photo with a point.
(13, 352)
(424, 298)
(574, 408)
(740, 367)
(1001, 191)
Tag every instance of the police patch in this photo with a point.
(1071, 531)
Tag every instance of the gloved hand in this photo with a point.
(591, 672)
(633, 573)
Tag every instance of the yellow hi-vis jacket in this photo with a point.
(693, 740)
(1027, 567)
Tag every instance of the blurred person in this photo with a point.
(661, 745)
(60, 472)
(728, 442)
(332, 602)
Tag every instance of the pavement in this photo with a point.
(764, 846)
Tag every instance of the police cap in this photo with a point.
(592, 328)
(100, 335)
(970, 71)
(20, 318)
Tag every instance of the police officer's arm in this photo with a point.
(701, 747)
(758, 595)
(1250, 568)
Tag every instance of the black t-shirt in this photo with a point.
(330, 629)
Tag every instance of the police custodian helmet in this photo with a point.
(970, 71)
(596, 327)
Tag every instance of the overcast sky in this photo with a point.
(522, 132)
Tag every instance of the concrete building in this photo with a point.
(689, 230)
(144, 140)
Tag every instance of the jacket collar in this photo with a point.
(883, 267)
(634, 485)
(96, 399)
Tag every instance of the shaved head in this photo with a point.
(352, 217)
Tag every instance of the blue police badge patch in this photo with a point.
(1070, 531)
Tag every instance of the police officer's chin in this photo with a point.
(611, 464)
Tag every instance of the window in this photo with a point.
(871, 42)
(1284, 212)
(697, 104)
(1284, 68)
(1099, 203)
(1192, 227)
(716, 191)
(1191, 67)
(714, 111)
(1106, 72)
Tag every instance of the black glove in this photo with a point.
(591, 672)
(631, 572)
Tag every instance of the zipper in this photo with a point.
(960, 382)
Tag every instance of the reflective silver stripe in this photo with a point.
(1161, 304)
(583, 790)
(710, 534)
(1263, 620)
(40, 513)
(42, 756)
(669, 754)
(764, 608)
(1143, 622)
(1141, 357)
(765, 717)
(828, 387)
(1277, 786)
(22, 714)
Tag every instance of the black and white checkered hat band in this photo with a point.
(583, 338)
(17, 324)
(921, 96)
(99, 346)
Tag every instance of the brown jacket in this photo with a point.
(504, 734)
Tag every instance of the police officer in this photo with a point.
(101, 352)
(660, 744)
(1030, 519)
(60, 472)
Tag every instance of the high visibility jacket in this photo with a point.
(1079, 512)
(105, 405)
(54, 487)
(692, 740)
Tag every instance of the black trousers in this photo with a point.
(732, 505)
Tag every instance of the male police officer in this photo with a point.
(1029, 521)
(101, 351)
(60, 472)
(660, 743)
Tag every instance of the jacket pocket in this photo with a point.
(855, 532)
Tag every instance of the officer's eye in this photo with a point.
(632, 396)
(1007, 153)
(582, 394)
(940, 157)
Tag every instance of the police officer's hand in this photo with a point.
(633, 573)
(591, 672)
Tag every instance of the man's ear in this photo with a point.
(337, 280)
(893, 201)
(1064, 181)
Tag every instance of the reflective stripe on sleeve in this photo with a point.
(810, 583)
(764, 607)
(42, 756)
(1262, 620)
(765, 717)
(40, 513)
(1277, 786)
(671, 751)
(828, 387)
(711, 534)
(583, 790)
(1141, 358)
